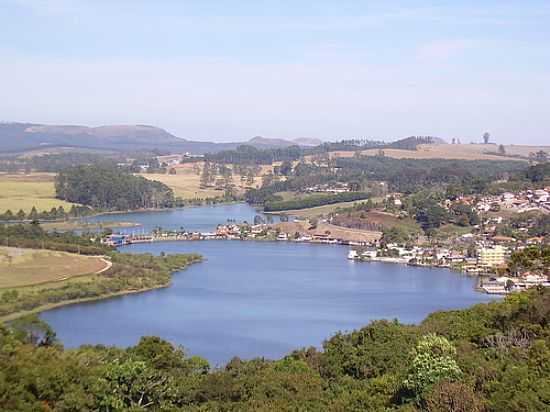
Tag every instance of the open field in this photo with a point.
(18, 191)
(185, 185)
(449, 151)
(24, 267)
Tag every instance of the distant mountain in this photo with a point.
(266, 142)
(21, 137)
(307, 141)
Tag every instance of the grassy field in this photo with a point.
(25, 267)
(184, 185)
(25, 191)
(449, 151)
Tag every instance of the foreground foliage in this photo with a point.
(491, 357)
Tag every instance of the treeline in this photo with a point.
(53, 163)
(129, 272)
(250, 155)
(58, 213)
(489, 358)
(32, 236)
(313, 201)
(110, 188)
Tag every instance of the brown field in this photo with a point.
(449, 151)
(390, 220)
(23, 191)
(24, 267)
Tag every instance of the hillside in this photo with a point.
(25, 137)
(449, 151)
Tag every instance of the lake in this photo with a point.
(252, 299)
(198, 218)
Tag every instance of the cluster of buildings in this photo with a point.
(488, 258)
(335, 187)
(483, 257)
(175, 159)
(519, 202)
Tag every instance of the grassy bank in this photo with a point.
(130, 273)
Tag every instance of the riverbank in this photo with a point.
(129, 274)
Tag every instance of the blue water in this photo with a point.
(197, 218)
(251, 299)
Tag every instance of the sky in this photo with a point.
(231, 70)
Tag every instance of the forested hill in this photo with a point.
(490, 358)
(110, 188)
(21, 137)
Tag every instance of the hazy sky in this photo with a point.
(230, 70)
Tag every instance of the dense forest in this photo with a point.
(111, 188)
(491, 357)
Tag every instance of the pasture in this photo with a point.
(23, 191)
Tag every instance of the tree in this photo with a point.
(433, 362)
(449, 396)
(33, 215)
(131, 385)
(21, 215)
(205, 175)
(486, 137)
(501, 149)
